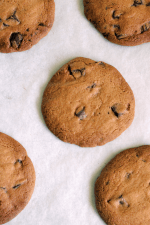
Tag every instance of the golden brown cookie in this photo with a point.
(88, 103)
(122, 22)
(122, 191)
(17, 178)
(23, 23)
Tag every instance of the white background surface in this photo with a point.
(65, 173)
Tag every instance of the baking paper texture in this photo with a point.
(65, 173)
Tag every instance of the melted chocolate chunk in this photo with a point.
(114, 109)
(118, 36)
(119, 109)
(137, 3)
(76, 72)
(121, 202)
(81, 114)
(144, 28)
(16, 40)
(105, 34)
(16, 186)
(5, 25)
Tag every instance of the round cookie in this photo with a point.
(87, 103)
(17, 178)
(122, 22)
(23, 23)
(122, 191)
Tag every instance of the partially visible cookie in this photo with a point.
(122, 191)
(88, 103)
(122, 22)
(23, 23)
(17, 178)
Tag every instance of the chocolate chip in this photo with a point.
(115, 15)
(101, 63)
(105, 34)
(148, 4)
(13, 17)
(41, 24)
(77, 72)
(27, 29)
(137, 155)
(120, 196)
(92, 86)
(0, 20)
(144, 28)
(137, 2)
(108, 200)
(128, 108)
(16, 186)
(16, 40)
(18, 161)
(107, 182)
(118, 36)
(120, 109)
(5, 25)
(117, 26)
(69, 69)
(121, 202)
(128, 175)
(82, 71)
(114, 109)
(81, 114)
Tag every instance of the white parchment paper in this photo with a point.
(65, 173)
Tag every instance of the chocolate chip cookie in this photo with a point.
(122, 191)
(17, 178)
(23, 23)
(122, 22)
(88, 103)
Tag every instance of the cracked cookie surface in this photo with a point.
(88, 103)
(121, 22)
(17, 178)
(23, 23)
(122, 191)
